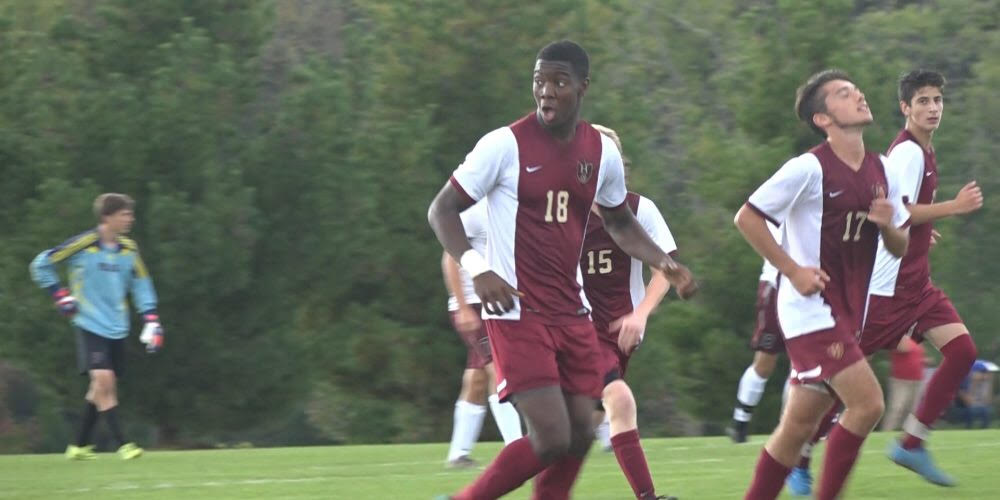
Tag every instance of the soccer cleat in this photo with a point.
(128, 451)
(737, 431)
(919, 460)
(74, 452)
(462, 462)
(799, 482)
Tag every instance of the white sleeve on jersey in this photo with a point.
(651, 220)
(474, 220)
(611, 179)
(768, 272)
(480, 171)
(798, 178)
(906, 163)
(897, 182)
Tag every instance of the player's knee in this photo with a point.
(764, 365)
(550, 446)
(964, 352)
(618, 401)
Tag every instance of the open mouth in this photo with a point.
(548, 113)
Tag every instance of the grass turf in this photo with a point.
(691, 468)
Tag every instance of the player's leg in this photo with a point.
(958, 354)
(82, 449)
(602, 428)
(750, 391)
(504, 414)
(898, 406)
(864, 405)
(800, 479)
(805, 405)
(619, 403)
(468, 418)
(556, 481)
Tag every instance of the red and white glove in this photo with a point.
(152, 333)
(65, 303)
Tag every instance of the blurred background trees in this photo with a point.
(283, 154)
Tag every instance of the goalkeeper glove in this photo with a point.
(152, 333)
(65, 303)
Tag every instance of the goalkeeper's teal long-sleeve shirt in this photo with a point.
(100, 278)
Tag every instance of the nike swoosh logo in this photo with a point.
(536, 168)
(928, 174)
(809, 373)
(834, 194)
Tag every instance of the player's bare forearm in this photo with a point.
(623, 227)
(755, 231)
(452, 278)
(922, 213)
(896, 239)
(655, 291)
(445, 221)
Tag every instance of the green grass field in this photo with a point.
(692, 468)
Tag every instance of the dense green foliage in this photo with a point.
(283, 155)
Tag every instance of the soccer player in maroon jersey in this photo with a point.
(540, 176)
(903, 301)
(621, 303)
(834, 201)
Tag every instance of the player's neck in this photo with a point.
(107, 236)
(848, 144)
(923, 137)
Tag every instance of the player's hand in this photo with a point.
(809, 280)
(152, 333)
(495, 293)
(969, 198)
(935, 237)
(467, 319)
(65, 303)
(631, 329)
(680, 277)
(880, 212)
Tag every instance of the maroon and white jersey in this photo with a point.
(823, 204)
(612, 279)
(916, 171)
(539, 193)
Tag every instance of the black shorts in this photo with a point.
(94, 352)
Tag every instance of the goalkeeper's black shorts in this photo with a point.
(94, 352)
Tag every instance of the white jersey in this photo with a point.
(823, 204)
(474, 221)
(539, 195)
(769, 273)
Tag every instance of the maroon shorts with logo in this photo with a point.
(889, 319)
(528, 355)
(817, 356)
(767, 333)
(477, 344)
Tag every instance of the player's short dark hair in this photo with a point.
(910, 83)
(111, 203)
(570, 52)
(809, 99)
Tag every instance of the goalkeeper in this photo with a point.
(103, 265)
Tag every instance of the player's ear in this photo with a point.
(821, 120)
(584, 85)
(904, 108)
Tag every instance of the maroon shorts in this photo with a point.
(529, 355)
(477, 344)
(889, 319)
(614, 362)
(818, 356)
(767, 333)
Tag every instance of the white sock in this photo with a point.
(507, 419)
(465, 431)
(749, 393)
(603, 433)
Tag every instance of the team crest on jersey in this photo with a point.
(584, 169)
(836, 350)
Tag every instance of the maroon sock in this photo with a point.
(556, 480)
(632, 460)
(515, 464)
(959, 355)
(842, 449)
(821, 431)
(768, 478)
